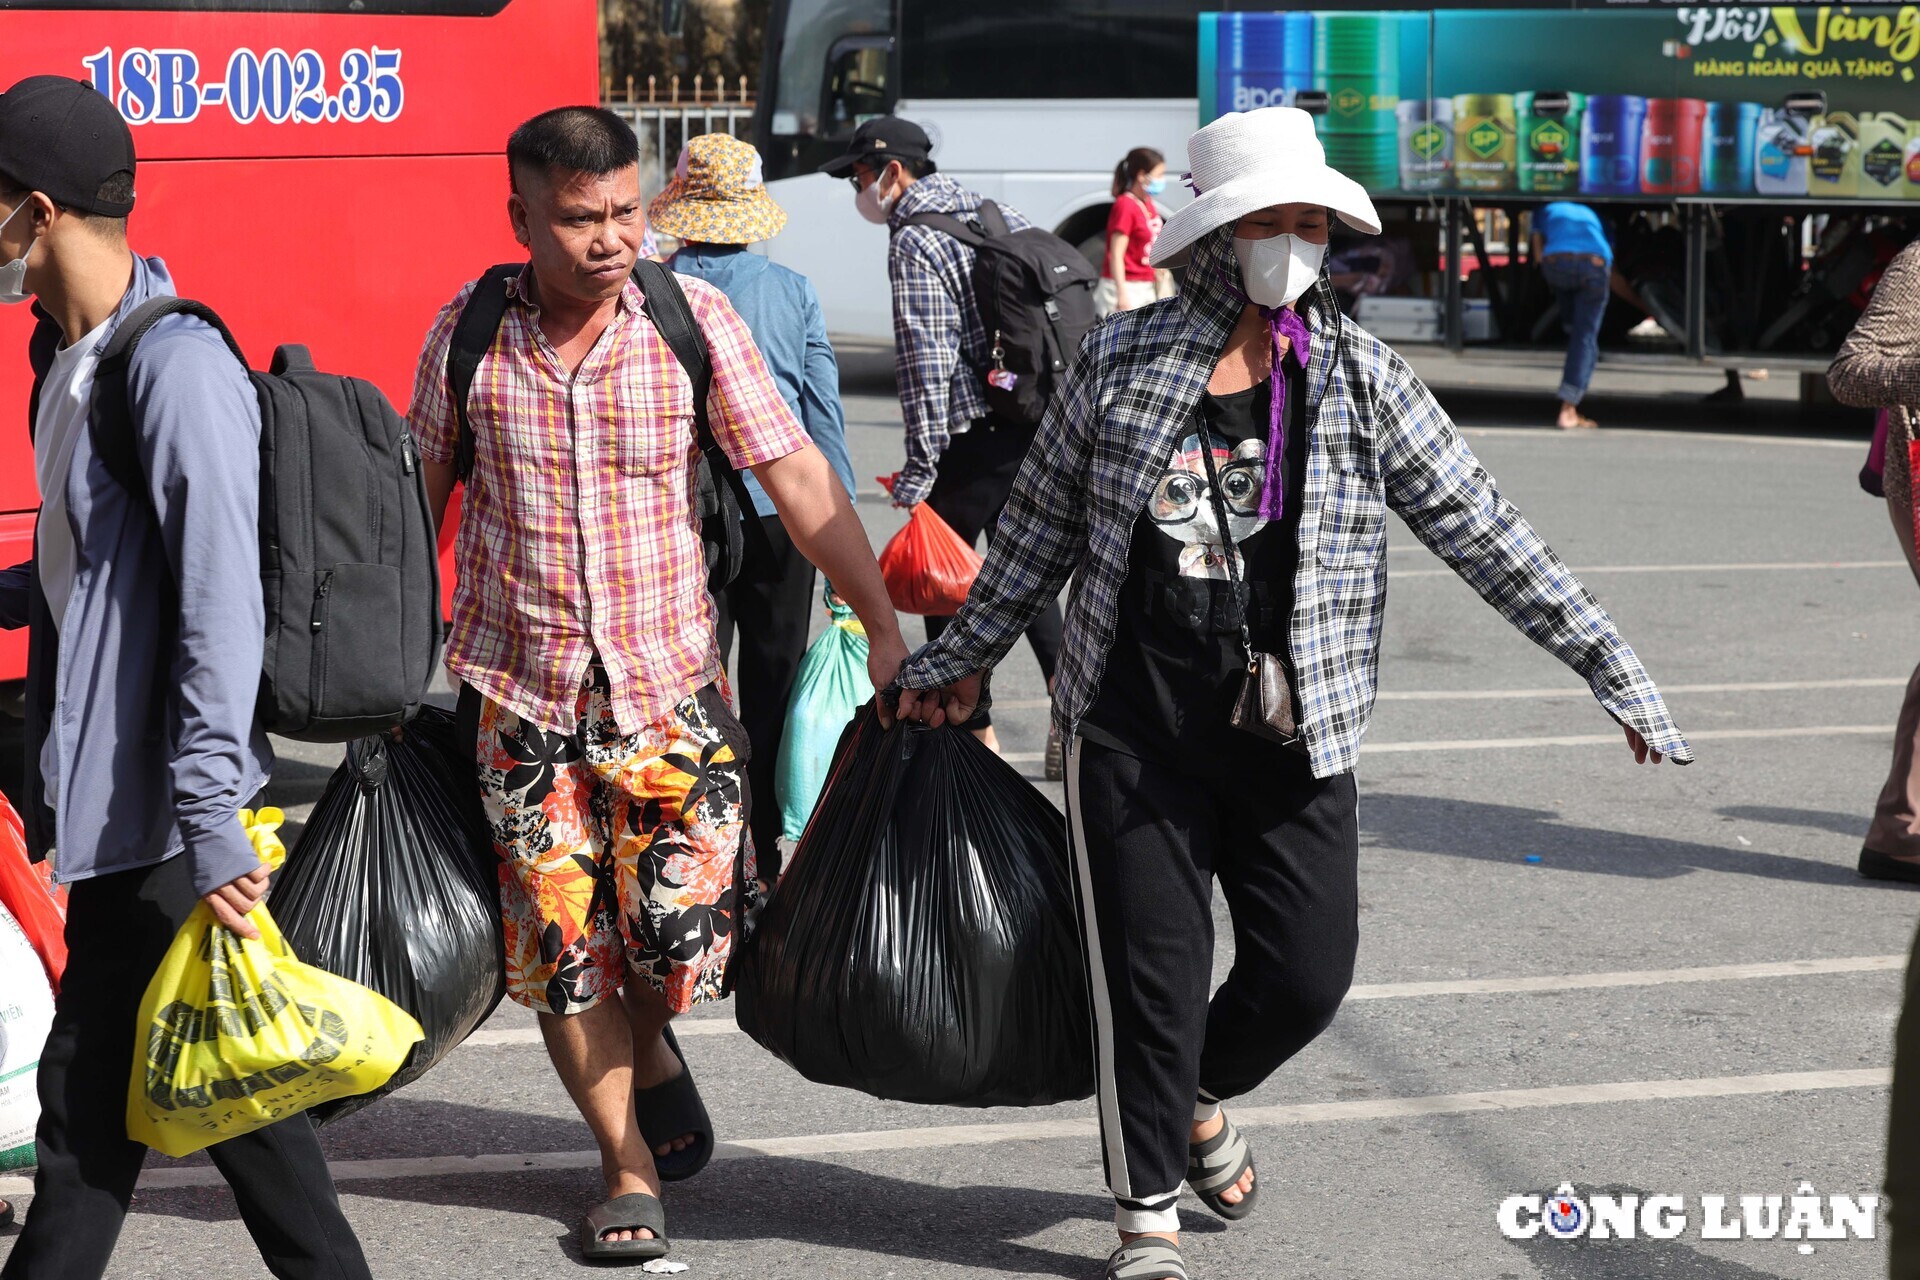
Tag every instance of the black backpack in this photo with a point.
(1035, 293)
(349, 564)
(723, 533)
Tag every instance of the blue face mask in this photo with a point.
(1156, 186)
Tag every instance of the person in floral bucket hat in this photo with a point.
(716, 206)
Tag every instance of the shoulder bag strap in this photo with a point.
(962, 231)
(1226, 539)
(665, 303)
(110, 422)
(472, 338)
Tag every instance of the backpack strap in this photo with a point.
(472, 338)
(993, 219)
(665, 303)
(965, 232)
(110, 423)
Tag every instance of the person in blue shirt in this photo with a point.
(1571, 246)
(717, 205)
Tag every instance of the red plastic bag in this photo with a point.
(31, 897)
(928, 569)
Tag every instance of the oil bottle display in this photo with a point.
(1356, 60)
(1426, 143)
(1549, 142)
(1610, 144)
(1833, 162)
(1485, 144)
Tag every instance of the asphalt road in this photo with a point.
(1571, 969)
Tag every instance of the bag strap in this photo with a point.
(110, 423)
(1226, 540)
(993, 218)
(665, 303)
(965, 232)
(472, 338)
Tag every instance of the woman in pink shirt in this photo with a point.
(1127, 281)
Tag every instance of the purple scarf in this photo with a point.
(1283, 322)
(1286, 323)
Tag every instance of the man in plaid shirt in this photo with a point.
(1215, 478)
(610, 763)
(961, 459)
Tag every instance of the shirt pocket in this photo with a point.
(650, 431)
(1352, 522)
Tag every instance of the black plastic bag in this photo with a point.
(395, 885)
(922, 945)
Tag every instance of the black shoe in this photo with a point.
(1879, 866)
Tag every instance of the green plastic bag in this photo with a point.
(831, 686)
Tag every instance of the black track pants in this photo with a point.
(772, 603)
(1148, 843)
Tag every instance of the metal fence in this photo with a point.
(665, 116)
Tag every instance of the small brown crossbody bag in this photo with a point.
(1265, 703)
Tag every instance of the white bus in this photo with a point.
(1030, 102)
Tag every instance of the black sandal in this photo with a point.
(673, 1110)
(1216, 1165)
(630, 1212)
(1148, 1258)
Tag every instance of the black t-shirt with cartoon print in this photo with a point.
(1176, 663)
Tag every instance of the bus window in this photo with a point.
(1080, 49)
(856, 85)
(832, 58)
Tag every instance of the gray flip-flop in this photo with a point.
(673, 1110)
(630, 1212)
(1215, 1165)
(1148, 1258)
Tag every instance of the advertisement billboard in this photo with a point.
(1724, 101)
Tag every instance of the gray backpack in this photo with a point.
(349, 564)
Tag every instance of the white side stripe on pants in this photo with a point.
(1105, 1085)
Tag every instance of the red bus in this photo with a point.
(325, 172)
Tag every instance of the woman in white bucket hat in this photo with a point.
(1215, 477)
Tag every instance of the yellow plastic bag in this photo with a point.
(236, 1034)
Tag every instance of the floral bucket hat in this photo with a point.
(717, 195)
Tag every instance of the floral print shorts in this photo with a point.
(619, 853)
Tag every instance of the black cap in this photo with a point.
(62, 138)
(879, 140)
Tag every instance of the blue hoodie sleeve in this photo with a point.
(820, 410)
(199, 442)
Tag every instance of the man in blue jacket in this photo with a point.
(716, 206)
(144, 655)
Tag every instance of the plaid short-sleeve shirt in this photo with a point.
(578, 532)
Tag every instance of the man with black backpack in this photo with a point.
(600, 409)
(988, 313)
(146, 621)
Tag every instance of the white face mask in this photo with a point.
(13, 275)
(1277, 270)
(873, 206)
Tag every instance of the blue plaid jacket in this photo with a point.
(1377, 440)
(939, 343)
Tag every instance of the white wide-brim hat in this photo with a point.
(1249, 160)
